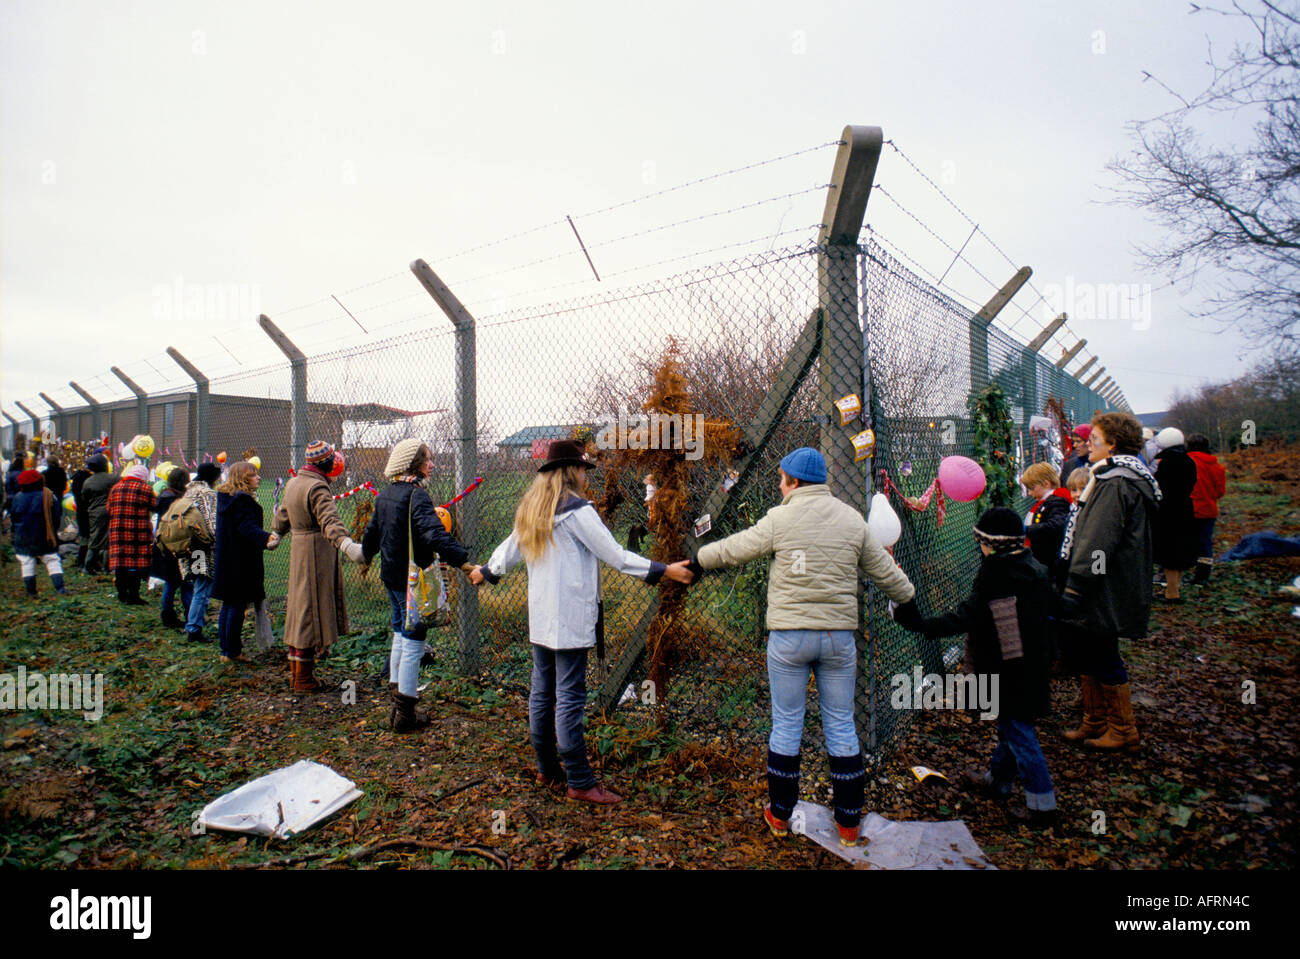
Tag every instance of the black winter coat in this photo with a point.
(28, 518)
(239, 575)
(164, 565)
(385, 535)
(11, 481)
(95, 494)
(1108, 573)
(1046, 530)
(78, 481)
(1024, 690)
(1175, 529)
(1072, 463)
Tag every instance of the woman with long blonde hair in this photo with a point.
(559, 535)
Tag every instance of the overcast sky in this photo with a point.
(259, 157)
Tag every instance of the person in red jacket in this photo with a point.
(1211, 484)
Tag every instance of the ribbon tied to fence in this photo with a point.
(919, 504)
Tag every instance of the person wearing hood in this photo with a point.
(94, 495)
(130, 534)
(316, 609)
(240, 539)
(1175, 532)
(1107, 554)
(35, 512)
(559, 535)
(1211, 484)
(197, 566)
(405, 529)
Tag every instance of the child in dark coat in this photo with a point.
(1006, 622)
(1045, 522)
(35, 514)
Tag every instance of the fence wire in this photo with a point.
(547, 372)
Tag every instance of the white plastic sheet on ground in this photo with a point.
(894, 845)
(281, 803)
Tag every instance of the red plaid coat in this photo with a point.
(130, 535)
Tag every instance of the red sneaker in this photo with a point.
(779, 827)
(596, 794)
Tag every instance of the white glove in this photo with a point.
(351, 550)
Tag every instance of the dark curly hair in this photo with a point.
(1122, 429)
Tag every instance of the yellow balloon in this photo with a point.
(143, 446)
(256, 461)
(69, 503)
(164, 469)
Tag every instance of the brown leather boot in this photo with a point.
(1094, 711)
(304, 680)
(404, 717)
(1121, 726)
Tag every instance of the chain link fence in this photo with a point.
(751, 338)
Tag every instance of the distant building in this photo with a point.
(531, 441)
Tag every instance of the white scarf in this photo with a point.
(1131, 462)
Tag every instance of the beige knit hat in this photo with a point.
(401, 458)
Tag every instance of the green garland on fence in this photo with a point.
(992, 424)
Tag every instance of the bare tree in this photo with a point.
(1232, 208)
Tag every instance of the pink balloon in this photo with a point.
(961, 478)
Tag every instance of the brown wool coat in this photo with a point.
(315, 610)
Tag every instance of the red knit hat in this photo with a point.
(1083, 431)
(30, 479)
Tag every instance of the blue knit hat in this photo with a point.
(805, 464)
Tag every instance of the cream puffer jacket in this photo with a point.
(821, 546)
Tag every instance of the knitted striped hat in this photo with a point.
(1001, 529)
(137, 471)
(319, 452)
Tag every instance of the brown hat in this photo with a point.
(565, 453)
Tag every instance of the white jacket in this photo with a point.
(564, 582)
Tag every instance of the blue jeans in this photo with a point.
(397, 599)
(230, 623)
(1018, 752)
(556, 703)
(201, 594)
(1205, 537)
(832, 657)
(169, 595)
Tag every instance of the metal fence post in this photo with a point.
(1087, 384)
(842, 359)
(36, 421)
(200, 433)
(95, 423)
(979, 328)
(466, 417)
(60, 418)
(141, 401)
(298, 385)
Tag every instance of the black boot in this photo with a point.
(404, 717)
(848, 778)
(119, 582)
(170, 619)
(133, 597)
(782, 783)
(81, 556)
(1202, 574)
(30, 583)
(57, 580)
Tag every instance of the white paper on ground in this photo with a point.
(281, 803)
(894, 845)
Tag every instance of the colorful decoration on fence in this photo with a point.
(919, 504)
(279, 489)
(143, 446)
(961, 477)
(367, 486)
(994, 446)
(463, 493)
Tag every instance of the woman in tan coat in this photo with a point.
(315, 610)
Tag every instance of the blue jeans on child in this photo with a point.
(169, 595)
(1018, 751)
(832, 657)
(556, 703)
(407, 649)
(197, 607)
